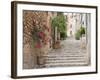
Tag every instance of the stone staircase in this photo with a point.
(71, 55)
(65, 60)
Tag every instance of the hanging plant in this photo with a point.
(40, 37)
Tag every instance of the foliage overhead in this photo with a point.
(60, 22)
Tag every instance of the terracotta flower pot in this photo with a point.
(57, 45)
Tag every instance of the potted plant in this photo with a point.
(59, 26)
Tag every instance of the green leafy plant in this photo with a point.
(60, 22)
(82, 31)
(63, 35)
(77, 35)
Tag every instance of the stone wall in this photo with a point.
(30, 19)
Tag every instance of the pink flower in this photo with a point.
(41, 34)
(38, 45)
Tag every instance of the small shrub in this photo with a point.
(82, 31)
(63, 35)
(77, 35)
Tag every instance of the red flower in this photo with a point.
(41, 34)
(38, 45)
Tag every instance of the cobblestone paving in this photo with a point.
(70, 54)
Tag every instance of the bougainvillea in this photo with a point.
(40, 30)
(40, 36)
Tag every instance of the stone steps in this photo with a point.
(65, 60)
(69, 63)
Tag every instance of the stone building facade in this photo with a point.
(30, 19)
(74, 22)
(32, 57)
